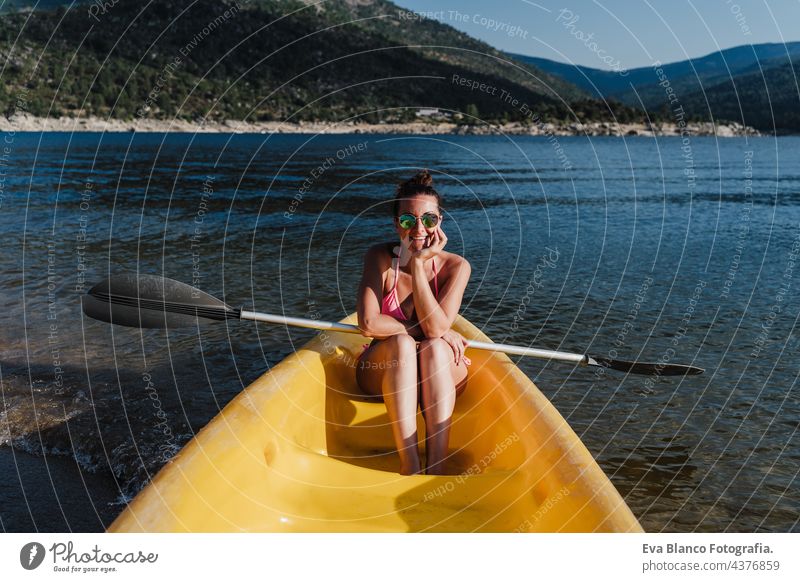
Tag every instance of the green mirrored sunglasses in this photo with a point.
(408, 221)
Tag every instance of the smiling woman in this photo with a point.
(415, 359)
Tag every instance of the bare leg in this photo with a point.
(391, 367)
(439, 377)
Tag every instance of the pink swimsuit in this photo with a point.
(391, 306)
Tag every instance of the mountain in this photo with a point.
(266, 60)
(733, 80)
(708, 70)
(768, 100)
(595, 82)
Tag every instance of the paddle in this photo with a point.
(151, 301)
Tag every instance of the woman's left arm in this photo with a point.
(436, 317)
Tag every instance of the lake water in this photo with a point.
(659, 250)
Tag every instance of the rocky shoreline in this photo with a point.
(22, 123)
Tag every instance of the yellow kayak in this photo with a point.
(300, 451)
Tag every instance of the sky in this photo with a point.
(617, 34)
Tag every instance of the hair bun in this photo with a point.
(422, 178)
(419, 183)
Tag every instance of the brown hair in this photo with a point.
(419, 183)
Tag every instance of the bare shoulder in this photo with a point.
(378, 254)
(455, 264)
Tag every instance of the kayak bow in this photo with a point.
(301, 450)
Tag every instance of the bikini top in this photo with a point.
(390, 305)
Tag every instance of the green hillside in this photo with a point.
(265, 60)
(768, 101)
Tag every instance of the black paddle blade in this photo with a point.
(151, 301)
(646, 368)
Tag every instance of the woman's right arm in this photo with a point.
(371, 321)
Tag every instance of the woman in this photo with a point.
(408, 299)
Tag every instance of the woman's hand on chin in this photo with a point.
(434, 245)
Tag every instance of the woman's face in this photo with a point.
(417, 237)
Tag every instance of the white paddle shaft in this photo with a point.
(347, 328)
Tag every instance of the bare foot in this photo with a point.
(436, 469)
(411, 470)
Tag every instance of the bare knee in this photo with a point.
(402, 348)
(435, 353)
(401, 343)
